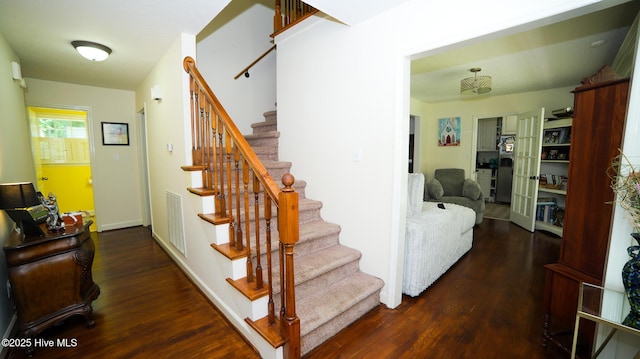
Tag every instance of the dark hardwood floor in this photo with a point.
(147, 308)
(489, 305)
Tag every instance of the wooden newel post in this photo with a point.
(288, 227)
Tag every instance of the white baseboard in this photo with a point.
(120, 225)
(8, 334)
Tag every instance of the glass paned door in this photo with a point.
(526, 169)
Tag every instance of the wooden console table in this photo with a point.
(50, 277)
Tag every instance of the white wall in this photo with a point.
(114, 168)
(626, 345)
(226, 47)
(16, 162)
(165, 124)
(434, 156)
(343, 88)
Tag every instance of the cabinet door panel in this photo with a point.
(595, 139)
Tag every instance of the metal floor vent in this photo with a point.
(176, 224)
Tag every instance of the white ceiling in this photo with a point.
(139, 32)
(553, 56)
(354, 11)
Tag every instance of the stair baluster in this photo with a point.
(205, 149)
(247, 224)
(220, 200)
(195, 129)
(239, 245)
(227, 160)
(267, 218)
(256, 206)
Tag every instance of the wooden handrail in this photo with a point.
(243, 146)
(245, 71)
(235, 176)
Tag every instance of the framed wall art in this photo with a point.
(115, 134)
(449, 131)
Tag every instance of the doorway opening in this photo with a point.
(144, 170)
(60, 140)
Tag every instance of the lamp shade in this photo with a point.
(18, 195)
(91, 50)
(476, 85)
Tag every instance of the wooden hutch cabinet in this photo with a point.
(596, 135)
(50, 278)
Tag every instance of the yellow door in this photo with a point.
(61, 155)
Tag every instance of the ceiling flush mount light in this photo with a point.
(91, 50)
(476, 85)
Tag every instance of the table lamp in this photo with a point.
(20, 201)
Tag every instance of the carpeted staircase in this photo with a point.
(331, 291)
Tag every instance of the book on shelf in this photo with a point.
(547, 200)
(548, 211)
(544, 208)
(545, 213)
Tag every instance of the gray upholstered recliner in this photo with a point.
(451, 186)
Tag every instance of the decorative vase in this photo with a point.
(631, 281)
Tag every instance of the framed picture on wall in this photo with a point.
(115, 134)
(449, 131)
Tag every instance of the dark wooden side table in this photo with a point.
(50, 278)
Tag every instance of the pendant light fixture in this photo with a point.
(476, 85)
(91, 50)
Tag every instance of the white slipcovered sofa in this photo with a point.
(435, 238)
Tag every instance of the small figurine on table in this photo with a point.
(53, 221)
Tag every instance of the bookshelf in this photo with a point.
(554, 168)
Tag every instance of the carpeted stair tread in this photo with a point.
(271, 115)
(338, 323)
(313, 237)
(327, 303)
(308, 209)
(276, 164)
(264, 126)
(261, 135)
(323, 261)
(320, 270)
(316, 235)
(316, 229)
(309, 232)
(266, 153)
